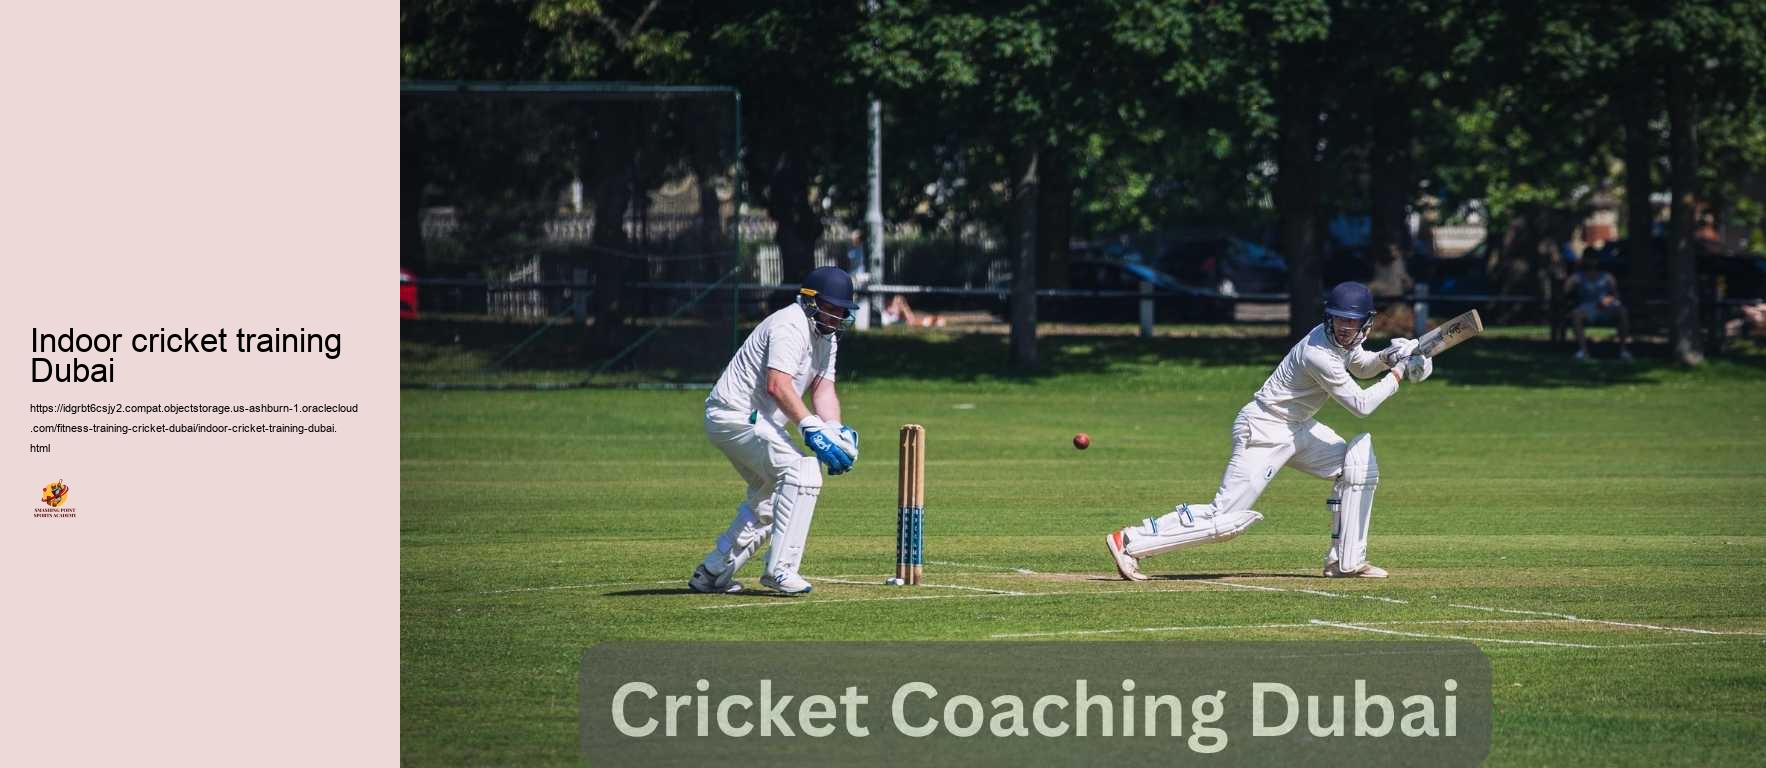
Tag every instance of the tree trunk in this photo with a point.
(413, 177)
(608, 176)
(1297, 183)
(1635, 104)
(799, 224)
(612, 196)
(1054, 219)
(1684, 339)
(1026, 197)
(1391, 188)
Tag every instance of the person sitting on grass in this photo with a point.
(897, 312)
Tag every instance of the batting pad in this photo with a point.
(737, 543)
(794, 506)
(1187, 526)
(1355, 496)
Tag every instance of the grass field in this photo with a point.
(1599, 530)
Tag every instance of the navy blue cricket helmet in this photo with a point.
(832, 285)
(1350, 301)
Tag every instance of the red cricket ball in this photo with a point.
(1082, 441)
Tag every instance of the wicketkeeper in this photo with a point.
(1277, 429)
(790, 353)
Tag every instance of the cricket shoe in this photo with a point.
(790, 584)
(1366, 571)
(1126, 564)
(704, 582)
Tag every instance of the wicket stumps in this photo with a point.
(910, 493)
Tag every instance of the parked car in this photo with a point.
(1465, 275)
(1227, 265)
(407, 295)
(1107, 275)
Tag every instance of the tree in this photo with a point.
(1293, 35)
(804, 107)
(1397, 58)
(1715, 53)
(549, 40)
(1037, 88)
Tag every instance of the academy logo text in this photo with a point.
(55, 495)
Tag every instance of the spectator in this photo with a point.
(861, 277)
(1752, 322)
(897, 312)
(1597, 297)
(855, 256)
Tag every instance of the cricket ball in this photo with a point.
(1082, 441)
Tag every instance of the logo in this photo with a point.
(55, 494)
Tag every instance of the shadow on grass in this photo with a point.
(1232, 575)
(441, 350)
(708, 595)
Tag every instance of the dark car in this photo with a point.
(1227, 265)
(1109, 275)
(1449, 277)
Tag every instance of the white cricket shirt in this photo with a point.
(785, 341)
(1315, 370)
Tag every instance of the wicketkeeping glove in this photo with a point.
(816, 436)
(1395, 353)
(847, 437)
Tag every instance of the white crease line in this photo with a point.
(1662, 645)
(1633, 625)
(683, 582)
(1242, 586)
(1616, 647)
(832, 580)
(1319, 592)
(1377, 630)
(1148, 629)
(581, 586)
(1262, 626)
(998, 568)
(811, 601)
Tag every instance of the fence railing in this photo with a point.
(557, 298)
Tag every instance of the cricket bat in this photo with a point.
(1449, 334)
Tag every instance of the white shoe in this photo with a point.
(1367, 571)
(1581, 356)
(1625, 355)
(704, 582)
(790, 584)
(1126, 564)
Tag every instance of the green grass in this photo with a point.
(535, 524)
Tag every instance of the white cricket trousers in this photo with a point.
(1262, 443)
(777, 476)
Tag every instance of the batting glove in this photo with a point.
(1395, 353)
(1418, 367)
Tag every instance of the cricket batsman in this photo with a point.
(1277, 429)
(760, 391)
